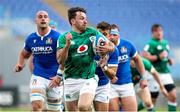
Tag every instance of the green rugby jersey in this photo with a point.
(80, 62)
(155, 47)
(136, 75)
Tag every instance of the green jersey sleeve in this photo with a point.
(147, 64)
(61, 41)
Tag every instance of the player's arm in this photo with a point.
(110, 72)
(141, 69)
(157, 78)
(109, 65)
(149, 56)
(30, 64)
(146, 54)
(23, 56)
(62, 53)
(56, 80)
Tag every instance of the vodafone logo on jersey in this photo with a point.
(82, 48)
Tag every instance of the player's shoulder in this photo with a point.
(55, 34)
(31, 36)
(165, 41)
(92, 30)
(126, 42)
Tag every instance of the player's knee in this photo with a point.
(84, 107)
(37, 105)
(172, 96)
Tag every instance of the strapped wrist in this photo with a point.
(60, 74)
(143, 76)
(104, 68)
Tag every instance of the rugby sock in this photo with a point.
(140, 106)
(171, 106)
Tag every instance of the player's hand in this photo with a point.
(18, 68)
(143, 83)
(114, 79)
(170, 61)
(164, 91)
(55, 81)
(104, 49)
(68, 39)
(163, 55)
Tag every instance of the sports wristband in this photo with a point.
(104, 68)
(143, 77)
(59, 73)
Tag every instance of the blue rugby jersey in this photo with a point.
(126, 52)
(43, 50)
(112, 61)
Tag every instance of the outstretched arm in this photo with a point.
(157, 78)
(23, 56)
(141, 69)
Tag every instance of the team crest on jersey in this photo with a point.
(123, 49)
(34, 40)
(159, 47)
(49, 40)
(82, 48)
(72, 43)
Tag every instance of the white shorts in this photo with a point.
(121, 91)
(103, 93)
(166, 78)
(137, 87)
(152, 84)
(73, 88)
(40, 83)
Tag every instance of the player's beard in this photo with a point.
(43, 26)
(81, 28)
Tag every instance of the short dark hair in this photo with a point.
(103, 26)
(113, 26)
(155, 26)
(72, 12)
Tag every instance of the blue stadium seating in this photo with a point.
(135, 17)
(25, 10)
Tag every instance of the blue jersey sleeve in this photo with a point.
(113, 58)
(133, 50)
(27, 45)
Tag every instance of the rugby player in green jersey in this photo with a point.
(157, 51)
(76, 52)
(144, 93)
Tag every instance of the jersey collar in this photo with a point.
(45, 34)
(118, 42)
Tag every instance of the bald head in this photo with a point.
(41, 12)
(42, 19)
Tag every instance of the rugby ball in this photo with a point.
(98, 40)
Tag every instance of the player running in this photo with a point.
(144, 94)
(42, 45)
(76, 52)
(106, 70)
(157, 52)
(122, 92)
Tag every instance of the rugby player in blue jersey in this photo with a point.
(122, 91)
(42, 46)
(106, 69)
